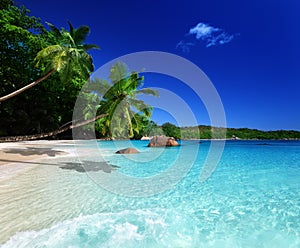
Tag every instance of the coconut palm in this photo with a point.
(68, 57)
(121, 104)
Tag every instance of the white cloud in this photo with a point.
(220, 39)
(209, 35)
(203, 30)
(184, 46)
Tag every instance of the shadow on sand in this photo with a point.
(29, 151)
(83, 166)
(87, 166)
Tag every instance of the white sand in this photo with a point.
(17, 157)
(27, 185)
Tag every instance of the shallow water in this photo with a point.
(251, 199)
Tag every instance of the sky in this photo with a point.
(248, 49)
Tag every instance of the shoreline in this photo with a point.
(23, 152)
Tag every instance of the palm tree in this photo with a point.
(121, 104)
(69, 53)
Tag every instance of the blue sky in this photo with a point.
(248, 49)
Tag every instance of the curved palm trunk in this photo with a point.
(129, 123)
(49, 134)
(17, 92)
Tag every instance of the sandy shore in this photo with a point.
(43, 183)
(17, 157)
(29, 178)
(18, 152)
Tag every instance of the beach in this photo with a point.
(49, 199)
(18, 156)
(18, 152)
(23, 165)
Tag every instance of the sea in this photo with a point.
(199, 194)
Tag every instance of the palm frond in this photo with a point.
(87, 47)
(71, 28)
(70, 40)
(147, 111)
(86, 61)
(118, 72)
(54, 29)
(46, 52)
(49, 56)
(141, 106)
(60, 61)
(65, 70)
(138, 104)
(148, 91)
(100, 86)
(80, 34)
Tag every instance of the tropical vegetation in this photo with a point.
(29, 52)
(171, 130)
(126, 116)
(32, 52)
(208, 132)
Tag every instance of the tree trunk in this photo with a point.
(17, 92)
(49, 134)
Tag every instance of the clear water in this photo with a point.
(251, 200)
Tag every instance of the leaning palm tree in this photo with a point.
(68, 57)
(120, 102)
(62, 129)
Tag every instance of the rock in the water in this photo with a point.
(162, 140)
(128, 151)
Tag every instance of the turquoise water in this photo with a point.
(252, 199)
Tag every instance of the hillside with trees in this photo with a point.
(208, 132)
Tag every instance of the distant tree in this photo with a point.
(207, 132)
(171, 130)
(153, 129)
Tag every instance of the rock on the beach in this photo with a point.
(162, 140)
(128, 151)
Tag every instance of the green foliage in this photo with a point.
(208, 132)
(49, 104)
(153, 129)
(4, 4)
(246, 133)
(18, 47)
(127, 116)
(68, 55)
(171, 130)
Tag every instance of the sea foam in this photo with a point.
(139, 228)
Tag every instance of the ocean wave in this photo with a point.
(139, 228)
